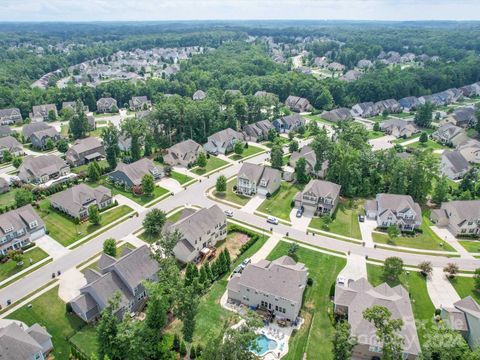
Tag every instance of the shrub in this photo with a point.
(309, 281)
(68, 308)
(438, 312)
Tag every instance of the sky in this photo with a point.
(147, 10)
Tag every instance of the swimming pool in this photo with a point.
(265, 345)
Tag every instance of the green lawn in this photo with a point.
(139, 199)
(84, 168)
(416, 285)
(426, 240)
(315, 335)
(279, 204)
(378, 118)
(213, 163)
(49, 311)
(465, 286)
(250, 151)
(231, 196)
(280, 139)
(430, 145)
(285, 159)
(345, 220)
(472, 246)
(403, 115)
(375, 134)
(62, 228)
(211, 316)
(181, 178)
(173, 218)
(318, 119)
(86, 340)
(8, 198)
(10, 268)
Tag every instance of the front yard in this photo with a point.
(429, 145)
(62, 228)
(472, 246)
(181, 178)
(345, 220)
(465, 286)
(213, 163)
(426, 240)
(316, 334)
(10, 268)
(375, 134)
(230, 195)
(280, 203)
(247, 152)
(416, 285)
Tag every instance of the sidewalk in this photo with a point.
(253, 204)
(446, 235)
(267, 248)
(123, 200)
(441, 292)
(51, 247)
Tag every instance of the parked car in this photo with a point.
(272, 220)
(229, 213)
(300, 212)
(238, 269)
(246, 262)
(361, 218)
(341, 280)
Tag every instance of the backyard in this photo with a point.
(315, 335)
(213, 163)
(8, 198)
(416, 285)
(84, 168)
(62, 228)
(280, 203)
(230, 195)
(345, 220)
(247, 152)
(375, 134)
(10, 268)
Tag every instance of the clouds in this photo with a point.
(92, 10)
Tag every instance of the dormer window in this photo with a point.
(33, 224)
(263, 182)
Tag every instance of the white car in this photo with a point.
(229, 213)
(341, 280)
(272, 220)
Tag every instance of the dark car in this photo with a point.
(361, 218)
(299, 212)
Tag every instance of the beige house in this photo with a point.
(319, 197)
(40, 169)
(85, 150)
(184, 153)
(461, 217)
(258, 179)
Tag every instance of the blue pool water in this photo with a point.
(265, 344)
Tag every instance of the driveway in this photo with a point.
(267, 247)
(123, 200)
(355, 269)
(382, 143)
(300, 223)
(253, 204)
(51, 247)
(445, 234)
(366, 229)
(441, 292)
(171, 185)
(70, 283)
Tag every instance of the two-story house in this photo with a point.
(10, 144)
(258, 179)
(139, 103)
(461, 217)
(450, 134)
(76, 200)
(29, 129)
(130, 175)
(184, 153)
(19, 343)
(364, 110)
(85, 150)
(40, 169)
(124, 276)
(10, 116)
(42, 137)
(298, 104)
(453, 164)
(42, 112)
(107, 105)
(464, 317)
(199, 229)
(257, 131)
(394, 210)
(19, 228)
(275, 286)
(310, 157)
(222, 142)
(319, 197)
(288, 123)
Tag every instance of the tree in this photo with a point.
(293, 146)
(148, 184)
(386, 331)
(291, 135)
(343, 343)
(188, 310)
(301, 171)
(321, 145)
(376, 126)
(154, 221)
(442, 343)
(16, 162)
(94, 215)
(392, 268)
(62, 145)
(110, 247)
(93, 171)
(7, 156)
(134, 129)
(49, 145)
(451, 270)
(193, 353)
(292, 250)
(221, 184)
(78, 124)
(476, 278)
(425, 268)
(276, 157)
(167, 242)
(423, 117)
(52, 116)
(148, 144)
(202, 160)
(23, 197)
(238, 148)
(393, 233)
(272, 134)
(107, 330)
(17, 257)
(110, 142)
(441, 190)
(423, 138)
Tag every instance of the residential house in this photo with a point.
(364, 64)
(19, 227)
(32, 343)
(463, 117)
(311, 160)
(470, 90)
(200, 230)
(298, 104)
(288, 123)
(4, 186)
(464, 317)
(107, 105)
(40, 138)
(29, 129)
(10, 116)
(184, 153)
(40, 169)
(73, 105)
(85, 150)
(335, 66)
(129, 175)
(258, 179)
(394, 210)
(399, 128)
(450, 134)
(351, 75)
(6, 131)
(453, 164)
(470, 151)
(76, 200)
(125, 276)
(41, 112)
(461, 217)
(354, 297)
(435, 99)
(11, 145)
(257, 131)
(222, 142)
(139, 103)
(391, 106)
(275, 286)
(199, 95)
(409, 103)
(364, 110)
(319, 197)
(124, 143)
(337, 115)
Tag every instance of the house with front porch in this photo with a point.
(394, 210)
(258, 179)
(319, 197)
(461, 217)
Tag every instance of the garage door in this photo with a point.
(36, 234)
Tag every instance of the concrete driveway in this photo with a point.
(355, 269)
(51, 247)
(382, 143)
(447, 236)
(70, 283)
(441, 292)
(302, 222)
(171, 185)
(253, 204)
(366, 229)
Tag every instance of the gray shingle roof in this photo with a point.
(37, 166)
(17, 344)
(29, 129)
(75, 198)
(456, 159)
(323, 188)
(19, 219)
(136, 170)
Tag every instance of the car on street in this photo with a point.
(361, 218)
(229, 213)
(272, 220)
